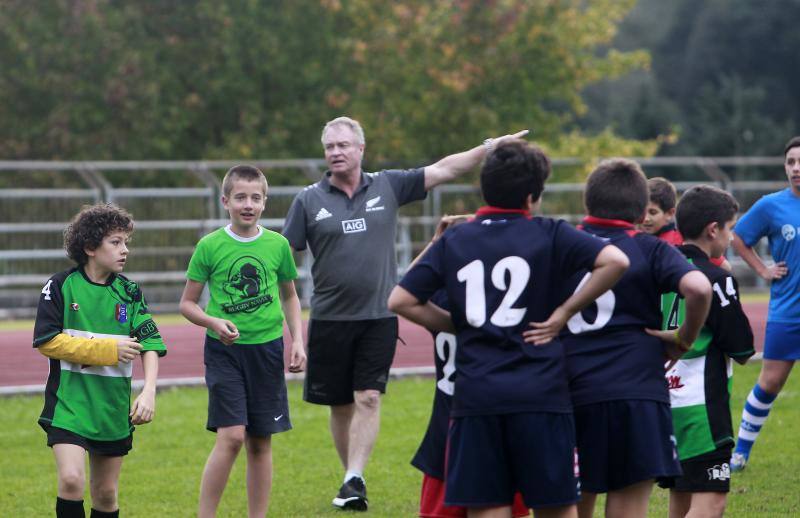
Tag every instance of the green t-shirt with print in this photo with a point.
(242, 276)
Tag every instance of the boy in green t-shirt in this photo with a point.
(91, 322)
(250, 272)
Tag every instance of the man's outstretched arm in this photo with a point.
(451, 167)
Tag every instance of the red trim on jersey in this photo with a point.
(604, 222)
(489, 210)
(431, 503)
(671, 236)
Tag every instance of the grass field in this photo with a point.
(161, 476)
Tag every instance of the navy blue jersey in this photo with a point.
(609, 354)
(501, 271)
(431, 453)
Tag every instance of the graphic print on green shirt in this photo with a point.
(243, 276)
(91, 400)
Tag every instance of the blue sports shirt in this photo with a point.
(777, 216)
(501, 271)
(609, 354)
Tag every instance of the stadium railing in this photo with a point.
(38, 198)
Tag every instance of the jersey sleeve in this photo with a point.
(294, 226)
(287, 270)
(669, 266)
(50, 312)
(408, 185)
(426, 277)
(198, 269)
(727, 320)
(575, 250)
(144, 328)
(754, 224)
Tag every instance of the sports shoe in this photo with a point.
(738, 461)
(352, 495)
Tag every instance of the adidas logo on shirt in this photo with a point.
(322, 214)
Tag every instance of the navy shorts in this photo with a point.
(344, 356)
(782, 341)
(624, 442)
(710, 472)
(246, 386)
(116, 448)
(491, 457)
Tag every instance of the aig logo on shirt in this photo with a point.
(351, 226)
(788, 232)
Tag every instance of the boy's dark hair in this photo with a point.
(701, 205)
(616, 189)
(513, 171)
(248, 173)
(89, 226)
(793, 142)
(662, 193)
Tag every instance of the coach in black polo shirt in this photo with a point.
(349, 220)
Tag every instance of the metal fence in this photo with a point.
(37, 199)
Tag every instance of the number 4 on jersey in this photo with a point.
(46, 290)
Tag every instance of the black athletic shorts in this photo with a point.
(117, 448)
(621, 443)
(345, 356)
(490, 457)
(247, 386)
(706, 473)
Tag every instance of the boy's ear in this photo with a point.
(671, 212)
(711, 230)
(89, 252)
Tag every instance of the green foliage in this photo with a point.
(98, 79)
(723, 78)
(161, 476)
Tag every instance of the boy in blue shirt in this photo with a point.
(616, 369)
(776, 217)
(512, 426)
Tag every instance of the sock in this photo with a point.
(755, 412)
(69, 508)
(104, 514)
(351, 474)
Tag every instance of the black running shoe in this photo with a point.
(352, 495)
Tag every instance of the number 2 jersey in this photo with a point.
(430, 455)
(609, 354)
(700, 382)
(92, 401)
(501, 271)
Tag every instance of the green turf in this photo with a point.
(162, 474)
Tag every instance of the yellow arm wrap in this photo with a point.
(86, 351)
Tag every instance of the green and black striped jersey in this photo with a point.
(91, 400)
(700, 382)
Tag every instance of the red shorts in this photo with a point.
(431, 504)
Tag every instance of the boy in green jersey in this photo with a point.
(91, 322)
(250, 272)
(700, 382)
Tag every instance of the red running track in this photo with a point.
(22, 365)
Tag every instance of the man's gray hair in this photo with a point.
(350, 123)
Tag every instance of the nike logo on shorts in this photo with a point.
(276, 418)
